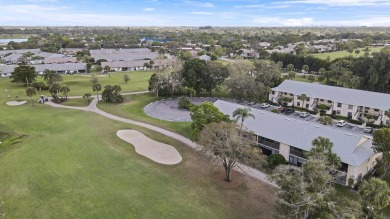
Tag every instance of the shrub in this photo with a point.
(185, 103)
(276, 159)
(306, 110)
(275, 111)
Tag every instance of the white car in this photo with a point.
(304, 114)
(341, 123)
(368, 130)
(264, 105)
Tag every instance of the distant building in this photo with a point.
(137, 65)
(249, 54)
(205, 58)
(356, 104)
(123, 54)
(292, 138)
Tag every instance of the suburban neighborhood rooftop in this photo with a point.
(336, 94)
(352, 148)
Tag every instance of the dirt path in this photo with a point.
(93, 108)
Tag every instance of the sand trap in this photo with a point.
(156, 151)
(15, 103)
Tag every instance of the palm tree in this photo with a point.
(65, 90)
(326, 120)
(375, 194)
(305, 69)
(96, 87)
(322, 145)
(242, 114)
(31, 91)
(302, 98)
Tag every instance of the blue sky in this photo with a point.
(195, 13)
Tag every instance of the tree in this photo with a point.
(224, 141)
(308, 192)
(305, 69)
(290, 67)
(205, 114)
(366, 51)
(87, 97)
(23, 74)
(159, 81)
(322, 71)
(291, 74)
(302, 98)
(357, 52)
(381, 144)
(51, 76)
(326, 120)
(55, 90)
(126, 78)
(65, 90)
(311, 78)
(111, 94)
(96, 87)
(193, 71)
(31, 91)
(213, 75)
(322, 145)
(106, 68)
(242, 114)
(375, 194)
(94, 79)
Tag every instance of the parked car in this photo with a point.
(368, 130)
(304, 114)
(289, 111)
(341, 123)
(264, 105)
(281, 109)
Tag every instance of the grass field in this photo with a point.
(79, 84)
(76, 102)
(71, 164)
(133, 108)
(340, 54)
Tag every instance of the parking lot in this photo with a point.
(311, 118)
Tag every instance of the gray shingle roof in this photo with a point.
(300, 133)
(61, 67)
(337, 94)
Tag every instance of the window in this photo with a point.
(349, 114)
(338, 104)
(273, 92)
(329, 101)
(376, 110)
(338, 112)
(307, 98)
(321, 99)
(350, 107)
(297, 152)
(307, 105)
(298, 103)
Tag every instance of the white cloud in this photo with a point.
(278, 21)
(340, 2)
(199, 4)
(249, 6)
(202, 13)
(149, 9)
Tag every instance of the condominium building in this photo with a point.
(357, 104)
(292, 137)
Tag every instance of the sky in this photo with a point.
(256, 13)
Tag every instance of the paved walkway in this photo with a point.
(93, 108)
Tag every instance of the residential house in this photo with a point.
(123, 54)
(292, 137)
(205, 58)
(356, 104)
(137, 65)
(249, 54)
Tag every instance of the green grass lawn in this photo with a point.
(71, 164)
(76, 102)
(79, 85)
(340, 54)
(133, 108)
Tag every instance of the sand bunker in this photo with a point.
(156, 151)
(15, 103)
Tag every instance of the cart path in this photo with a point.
(93, 108)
